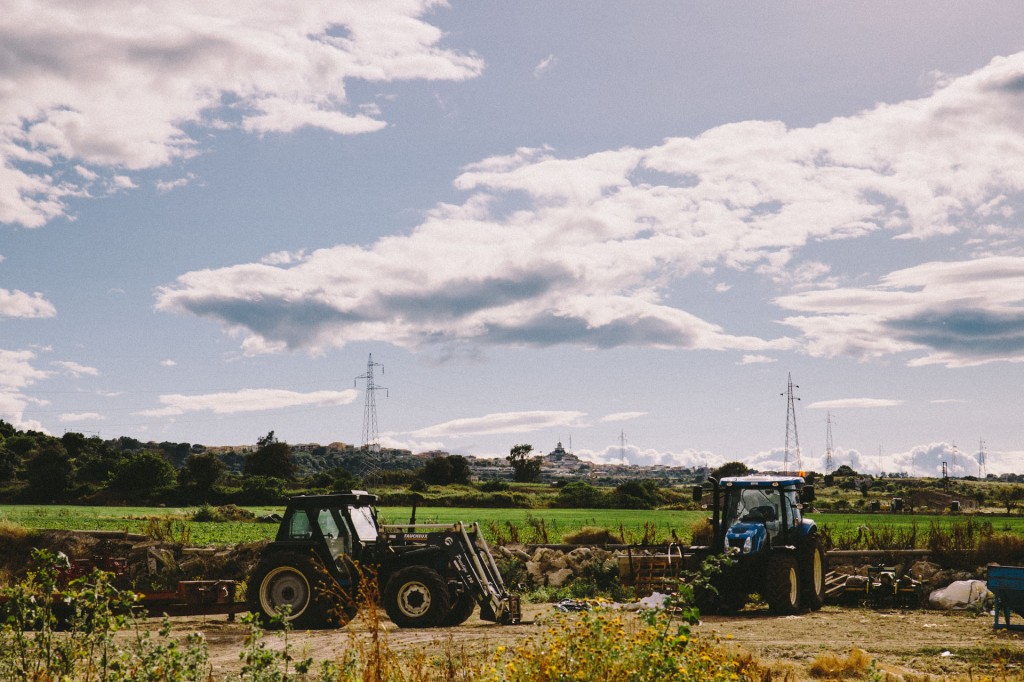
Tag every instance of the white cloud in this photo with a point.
(164, 186)
(19, 304)
(104, 88)
(595, 246)
(753, 359)
(75, 369)
(247, 400)
(622, 416)
(16, 370)
(168, 363)
(81, 417)
(853, 403)
(544, 65)
(16, 373)
(501, 423)
(949, 313)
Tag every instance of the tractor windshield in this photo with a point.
(364, 522)
(751, 505)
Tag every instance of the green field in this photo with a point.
(524, 525)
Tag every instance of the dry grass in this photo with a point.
(829, 666)
(591, 535)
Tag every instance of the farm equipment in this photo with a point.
(1007, 584)
(757, 521)
(881, 587)
(427, 574)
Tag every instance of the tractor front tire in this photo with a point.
(782, 584)
(460, 611)
(416, 597)
(288, 587)
(812, 574)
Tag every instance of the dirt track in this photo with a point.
(901, 642)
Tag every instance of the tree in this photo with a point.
(844, 470)
(9, 463)
(1008, 496)
(580, 495)
(201, 471)
(730, 469)
(272, 458)
(50, 473)
(445, 470)
(636, 495)
(525, 469)
(262, 490)
(141, 473)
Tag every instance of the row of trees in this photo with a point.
(37, 467)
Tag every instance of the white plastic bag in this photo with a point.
(961, 594)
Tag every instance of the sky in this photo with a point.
(619, 226)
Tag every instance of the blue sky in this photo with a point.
(549, 221)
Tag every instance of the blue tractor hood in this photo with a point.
(748, 538)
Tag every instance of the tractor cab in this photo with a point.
(755, 513)
(759, 512)
(336, 526)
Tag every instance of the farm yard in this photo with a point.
(848, 642)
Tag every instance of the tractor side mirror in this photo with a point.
(698, 493)
(807, 494)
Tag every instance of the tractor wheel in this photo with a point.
(460, 611)
(782, 584)
(812, 574)
(300, 583)
(416, 597)
(732, 602)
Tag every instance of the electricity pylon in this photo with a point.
(371, 440)
(829, 463)
(791, 433)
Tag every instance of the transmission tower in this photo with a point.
(981, 459)
(829, 463)
(954, 459)
(791, 434)
(371, 441)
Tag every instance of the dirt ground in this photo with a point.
(910, 645)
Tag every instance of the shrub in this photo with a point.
(600, 644)
(494, 486)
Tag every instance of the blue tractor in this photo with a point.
(758, 522)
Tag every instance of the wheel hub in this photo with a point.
(414, 599)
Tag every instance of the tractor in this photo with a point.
(427, 575)
(758, 522)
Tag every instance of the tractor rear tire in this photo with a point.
(782, 584)
(300, 583)
(460, 611)
(416, 597)
(812, 574)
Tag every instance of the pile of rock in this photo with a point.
(552, 567)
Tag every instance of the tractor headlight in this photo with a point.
(748, 544)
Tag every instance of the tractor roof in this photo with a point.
(359, 498)
(761, 481)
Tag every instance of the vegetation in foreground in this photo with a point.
(84, 631)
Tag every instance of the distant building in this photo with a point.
(561, 456)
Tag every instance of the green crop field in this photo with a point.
(524, 525)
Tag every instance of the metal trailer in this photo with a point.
(1007, 584)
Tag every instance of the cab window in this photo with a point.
(298, 526)
(364, 523)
